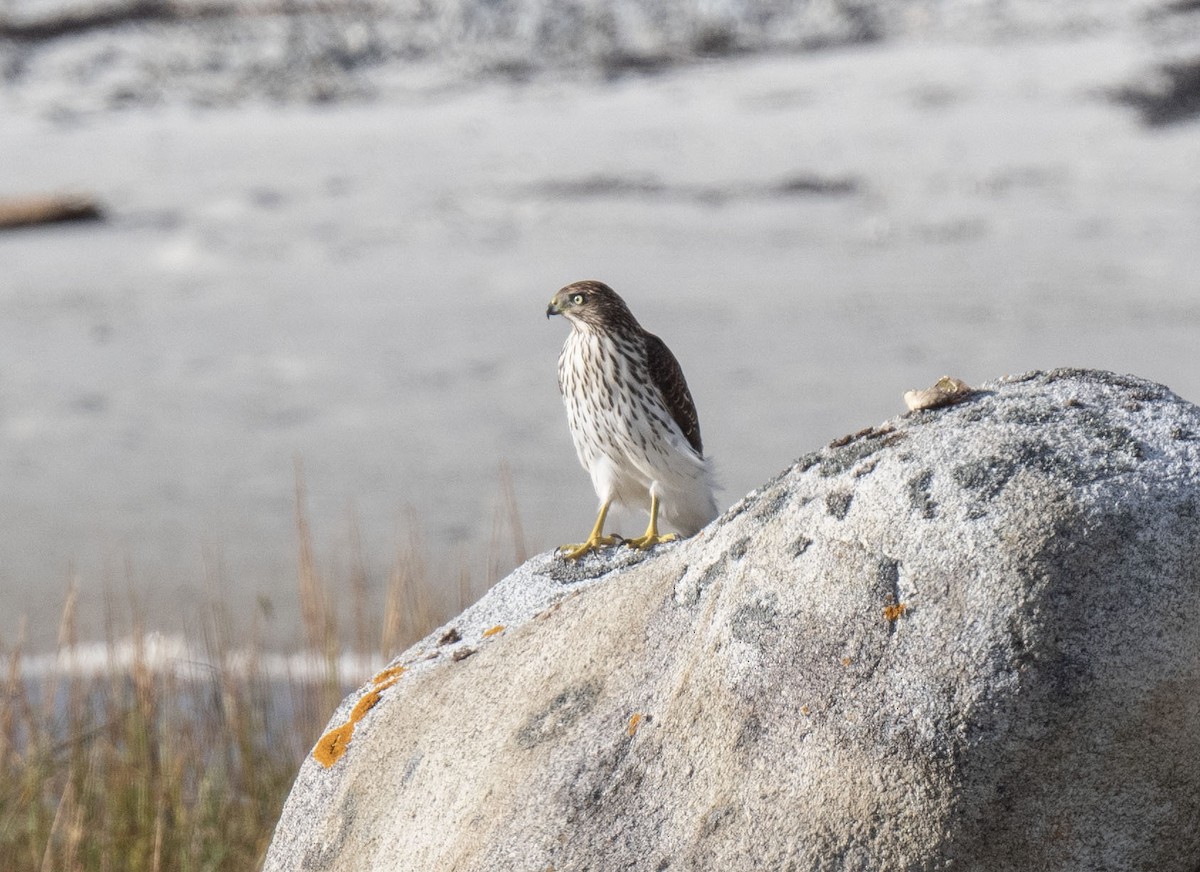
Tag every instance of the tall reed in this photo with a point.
(179, 756)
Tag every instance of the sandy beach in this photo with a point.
(358, 282)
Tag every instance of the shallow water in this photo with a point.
(361, 286)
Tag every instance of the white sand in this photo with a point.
(363, 285)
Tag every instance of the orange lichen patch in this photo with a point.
(332, 745)
(893, 611)
(846, 661)
(635, 720)
(389, 675)
(365, 703)
(499, 628)
(804, 710)
(384, 685)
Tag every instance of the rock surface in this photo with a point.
(965, 639)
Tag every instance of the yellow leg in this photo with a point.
(651, 538)
(595, 542)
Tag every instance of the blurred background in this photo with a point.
(324, 233)
(277, 392)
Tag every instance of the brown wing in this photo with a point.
(667, 376)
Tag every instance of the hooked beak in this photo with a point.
(553, 309)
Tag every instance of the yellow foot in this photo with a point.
(650, 540)
(574, 552)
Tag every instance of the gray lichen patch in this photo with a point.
(887, 577)
(985, 476)
(920, 497)
(693, 585)
(756, 621)
(559, 715)
(844, 453)
(1136, 388)
(837, 503)
(799, 545)
(600, 563)
(1072, 442)
(1032, 414)
(807, 461)
(774, 502)
(768, 500)
(1112, 438)
(736, 510)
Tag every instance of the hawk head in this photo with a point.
(592, 304)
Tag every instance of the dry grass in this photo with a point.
(166, 764)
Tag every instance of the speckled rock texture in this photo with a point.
(966, 639)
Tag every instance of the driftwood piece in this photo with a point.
(48, 209)
(73, 21)
(945, 391)
(105, 16)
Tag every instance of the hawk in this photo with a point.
(632, 418)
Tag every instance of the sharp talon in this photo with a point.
(643, 543)
(574, 552)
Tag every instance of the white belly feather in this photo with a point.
(624, 435)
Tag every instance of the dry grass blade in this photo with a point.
(512, 514)
(138, 770)
(158, 760)
(320, 624)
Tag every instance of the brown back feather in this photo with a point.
(608, 311)
(667, 376)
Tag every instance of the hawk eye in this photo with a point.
(579, 299)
